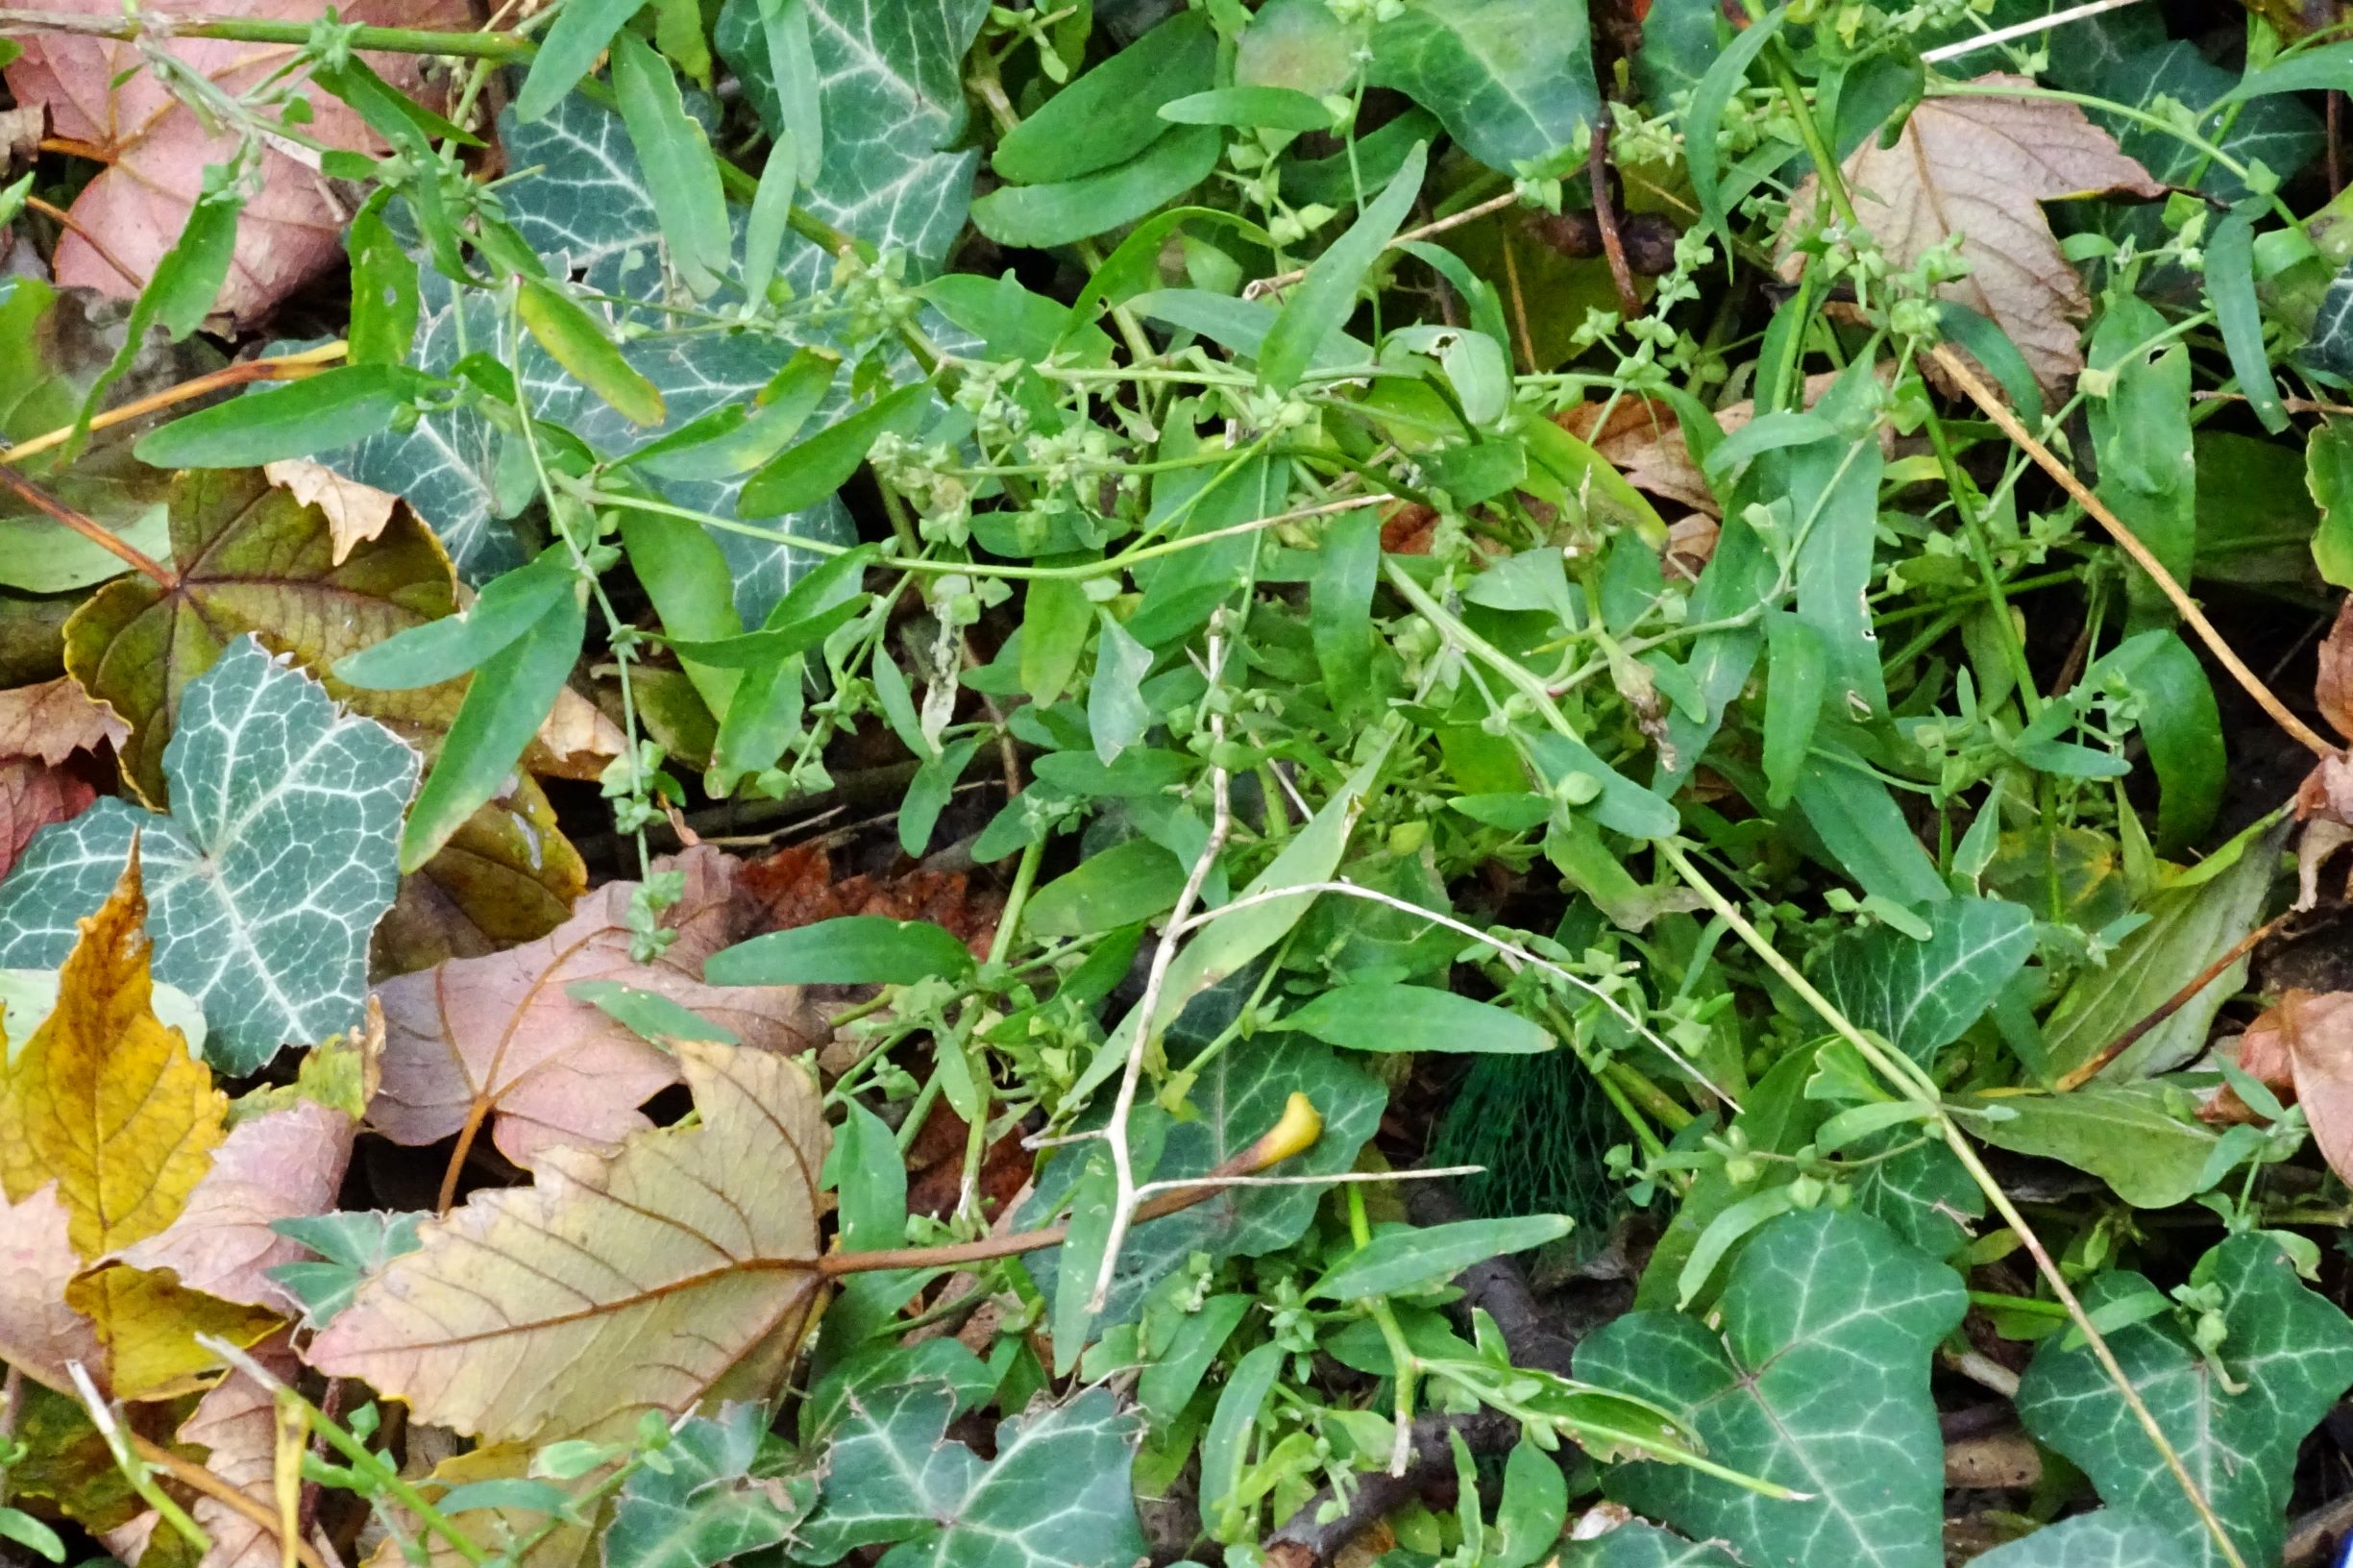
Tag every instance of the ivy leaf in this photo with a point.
(612, 1286)
(350, 1247)
(1057, 1492)
(1512, 80)
(2236, 1418)
(1921, 995)
(2111, 1538)
(704, 1507)
(498, 1041)
(1819, 1381)
(251, 558)
(1237, 1096)
(891, 94)
(268, 876)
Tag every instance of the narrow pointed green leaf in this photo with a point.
(582, 32)
(681, 171)
(1321, 303)
(575, 340)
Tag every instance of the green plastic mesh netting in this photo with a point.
(1541, 1127)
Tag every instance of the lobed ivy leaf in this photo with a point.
(1637, 1545)
(1057, 1491)
(1512, 80)
(703, 1505)
(2235, 1417)
(891, 94)
(268, 876)
(349, 1247)
(1819, 1381)
(2111, 1538)
(1920, 995)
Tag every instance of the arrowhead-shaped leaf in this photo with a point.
(1057, 1491)
(501, 1036)
(1920, 995)
(1819, 1381)
(611, 1287)
(268, 876)
(2288, 1351)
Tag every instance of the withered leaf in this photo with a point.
(2319, 1033)
(498, 1035)
(1975, 167)
(612, 1286)
(32, 794)
(54, 720)
(355, 512)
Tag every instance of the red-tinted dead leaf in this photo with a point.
(795, 887)
(475, 1038)
(39, 1333)
(935, 1167)
(2332, 688)
(100, 93)
(2262, 1054)
(32, 794)
(54, 720)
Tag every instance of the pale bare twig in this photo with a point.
(1147, 1029)
(2003, 34)
(1281, 280)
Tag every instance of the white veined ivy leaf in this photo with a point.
(1512, 80)
(705, 1504)
(1819, 1381)
(2109, 1538)
(263, 884)
(891, 97)
(1057, 1492)
(582, 204)
(2236, 1420)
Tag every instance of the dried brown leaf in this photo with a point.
(100, 93)
(795, 887)
(39, 1333)
(575, 741)
(355, 512)
(54, 720)
(611, 1287)
(498, 1035)
(282, 1166)
(1975, 167)
(2319, 1031)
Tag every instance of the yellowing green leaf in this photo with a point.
(612, 1286)
(105, 1100)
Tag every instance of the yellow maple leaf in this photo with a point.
(105, 1100)
(148, 1323)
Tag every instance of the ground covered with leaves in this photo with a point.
(1270, 782)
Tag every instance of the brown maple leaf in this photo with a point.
(795, 887)
(54, 720)
(103, 97)
(499, 1037)
(1976, 168)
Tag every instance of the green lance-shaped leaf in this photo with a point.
(1390, 1016)
(509, 606)
(575, 340)
(2236, 1416)
(510, 696)
(704, 1505)
(1110, 115)
(331, 409)
(1920, 995)
(1069, 210)
(1057, 1491)
(851, 950)
(1323, 301)
(1411, 1258)
(267, 879)
(581, 31)
(2127, 1134)
(1819, 1381)
(806, 474)
(681, 171)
